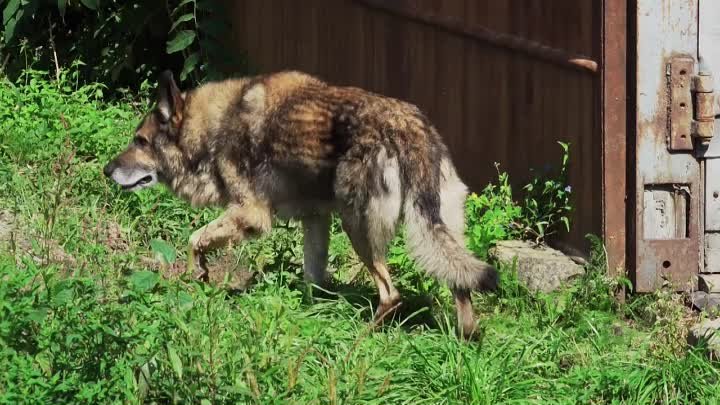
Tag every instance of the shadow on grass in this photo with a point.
(415, 310)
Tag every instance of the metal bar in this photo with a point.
(506, 41)
(613, 121)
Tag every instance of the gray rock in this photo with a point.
(703, 301)
(540, 268)
(709, 283)
(707, 332)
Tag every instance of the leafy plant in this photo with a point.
(164, 252)
(495, 215)
(197, 30)
(492, 215)
(546, 206)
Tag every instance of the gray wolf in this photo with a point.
(291, 145)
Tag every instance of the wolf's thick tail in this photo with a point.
(434, 218)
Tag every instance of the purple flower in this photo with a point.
(568, 189)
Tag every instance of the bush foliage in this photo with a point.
(119, 43)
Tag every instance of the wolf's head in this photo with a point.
(143, 163)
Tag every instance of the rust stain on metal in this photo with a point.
(664, 255)
(612, 27)
(704, 108)
(502, 40)
(681, 70)
(668, 263)
(668, 255)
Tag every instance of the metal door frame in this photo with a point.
(612, 26)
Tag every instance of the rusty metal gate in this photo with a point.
(677, 176)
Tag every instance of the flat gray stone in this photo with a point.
(710, 283)
(540, 268)
(705, 301)
(706, 332)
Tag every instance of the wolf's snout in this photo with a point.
(131, 178)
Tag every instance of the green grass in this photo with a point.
(106, 329)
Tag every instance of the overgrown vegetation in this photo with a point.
(119, 43)
(495, 214)
(86, 318)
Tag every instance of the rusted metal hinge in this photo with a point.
(692, 97)
(704, 107)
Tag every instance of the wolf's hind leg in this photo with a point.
(372, 248)
(316, 237)
(371, 223)
(237, 223)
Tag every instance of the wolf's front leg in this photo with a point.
(316, 236)
(238, 222)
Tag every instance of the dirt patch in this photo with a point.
(7, 226)
(224, 272)
(18, 240)
(110, 234)
(238, 278)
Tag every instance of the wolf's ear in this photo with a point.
(169, 99)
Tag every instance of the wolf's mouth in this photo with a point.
(143, 181)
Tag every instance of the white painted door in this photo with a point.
(709, 52)
(668, 186)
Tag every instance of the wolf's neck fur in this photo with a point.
(191, 163)
(216, 116)
(195, 185)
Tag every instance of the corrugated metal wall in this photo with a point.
(490, 104)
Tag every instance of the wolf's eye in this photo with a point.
(140, 141)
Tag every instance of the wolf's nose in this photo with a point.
(109, 169)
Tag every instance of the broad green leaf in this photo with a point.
(10, 9)
(144, 281)
(10, 29)
(175, 361)
(183, 18)
(182, 40)
(37, 315)
(44, 362)
(61, 7)
(184, 300)
(189, 65)
(91, 4)
(143, 379)
(62, 295)
(163, 250)
(12, 23)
